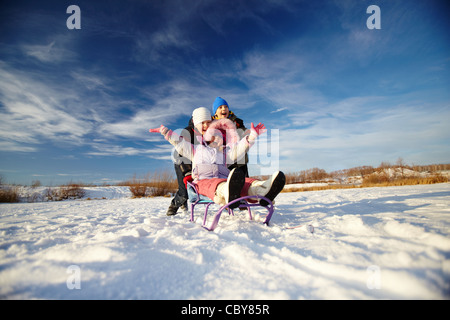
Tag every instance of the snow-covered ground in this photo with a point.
(390, 243)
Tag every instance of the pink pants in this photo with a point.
(207, 187)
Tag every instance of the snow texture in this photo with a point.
(372, 243)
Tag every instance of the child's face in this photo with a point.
(214, 138)
(222, 112)
(216, 142)
(202, 127)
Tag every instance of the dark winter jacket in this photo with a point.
(188, 134)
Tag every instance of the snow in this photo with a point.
(368, 243)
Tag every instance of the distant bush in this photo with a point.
(65, 192)
(158, 184)
(72, 191)
(163, 184)
(377, 178)
(36, 183)
(307, 176)
(386, 174)
(9, 194)
(138, 187)
(383, 180)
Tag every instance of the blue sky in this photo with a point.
(77, 104)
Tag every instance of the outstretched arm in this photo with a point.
(238, 150)
(182, 146)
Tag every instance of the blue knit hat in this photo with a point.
(217, 103)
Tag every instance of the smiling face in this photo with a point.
(202, 127)
(216, 141)
(222, 112)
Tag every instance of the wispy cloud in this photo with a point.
(161, 44)
(33, 113)
(279, 110)
(14, 146)
(162, 104)
(109, 150)
(51, 53)
(379, 134)
(218, 15)
(282, 79)
(38, 110)
(91, 81)
(182, 23)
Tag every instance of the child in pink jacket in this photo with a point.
(220, 146)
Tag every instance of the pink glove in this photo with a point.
(259, 129)
(163, 130)
(256, 131)
(155, 130)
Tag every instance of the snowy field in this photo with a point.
(373, 243)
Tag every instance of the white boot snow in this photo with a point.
(269, 188)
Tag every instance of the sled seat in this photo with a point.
(195, 198)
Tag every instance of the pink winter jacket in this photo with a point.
(209, 162)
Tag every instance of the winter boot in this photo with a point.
(231, 190)
(184, 208)
(172, 210)
(269, 188)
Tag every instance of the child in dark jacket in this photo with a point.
(183, 166)
(221, 110)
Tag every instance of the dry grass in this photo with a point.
(383, 181)
(9, 194)
(158, 184)
(384, 175)
(65, 192)
(377, 182)
(320, 188)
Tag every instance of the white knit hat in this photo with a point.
(201, 114)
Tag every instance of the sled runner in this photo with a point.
(195, 198)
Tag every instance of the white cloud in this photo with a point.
(13, 146)
(281, 77)
(381, 134)
(91, 81)
(34, 113)
(279, 110)
(37, 110)
(167, 103)
(161, 44)
(178, 30)
(160, 152)
(54, 52)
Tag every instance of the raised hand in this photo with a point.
(256, 131)
(259, 129)
(155, 130)
(162, 129)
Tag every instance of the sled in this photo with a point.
(195, 199)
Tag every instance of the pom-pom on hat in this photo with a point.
(217, 103)
(201, 114)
